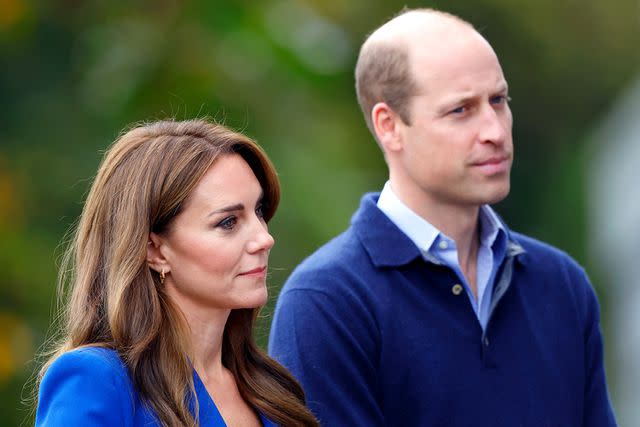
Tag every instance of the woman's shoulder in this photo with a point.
(92, 361)
(91, 354)
(82, 384)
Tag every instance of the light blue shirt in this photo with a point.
(441, 249)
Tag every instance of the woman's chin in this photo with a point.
(257, 298)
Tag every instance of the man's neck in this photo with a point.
(457, 222)
(461, 225)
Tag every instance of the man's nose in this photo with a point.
(494, 125)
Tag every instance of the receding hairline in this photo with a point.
(383, 71)
(402, 28)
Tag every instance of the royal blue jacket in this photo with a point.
(379, 336)
(91, 387)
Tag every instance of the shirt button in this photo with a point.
(456, 289)
(485, 341)
(443, 244)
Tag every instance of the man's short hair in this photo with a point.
(383, 72)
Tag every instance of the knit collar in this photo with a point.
(387, 245)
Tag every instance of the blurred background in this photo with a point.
(74, 73)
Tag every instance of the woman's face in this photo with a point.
(217, 248)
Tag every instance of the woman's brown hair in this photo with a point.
(113, 299)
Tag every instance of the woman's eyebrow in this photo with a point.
(232, 208)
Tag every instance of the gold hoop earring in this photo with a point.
(162, 277)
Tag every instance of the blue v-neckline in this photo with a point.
(208, 412)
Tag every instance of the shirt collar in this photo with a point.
(420, 231)
(491, 227)
(388, 246)
(424, 234)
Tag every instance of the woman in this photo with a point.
(166, 275)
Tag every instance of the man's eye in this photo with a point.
(458, 110)
(500, 99)
(228, 223)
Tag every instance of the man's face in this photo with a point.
(458, 149)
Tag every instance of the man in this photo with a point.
(428, 310)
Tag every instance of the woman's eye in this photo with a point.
(458, 110)
(260, 211)
(228, 223)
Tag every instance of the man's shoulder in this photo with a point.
(539, 251)
(340, 257)
(553, 269)
(339, 250)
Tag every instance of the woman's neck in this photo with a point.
(206, 331)
(206, 346)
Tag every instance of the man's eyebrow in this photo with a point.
(503, 87)
(464, 98)
(231, 208)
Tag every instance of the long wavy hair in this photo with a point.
(112, 298)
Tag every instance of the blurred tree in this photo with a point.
(74, 73)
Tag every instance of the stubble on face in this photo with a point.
(457, 149)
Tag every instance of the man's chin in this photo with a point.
(496, 196)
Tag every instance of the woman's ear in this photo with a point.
(155, 257)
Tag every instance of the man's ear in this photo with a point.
(155, 257)
(386, 124)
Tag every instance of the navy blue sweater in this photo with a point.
(379, 337)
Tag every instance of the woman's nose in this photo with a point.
(263, 240)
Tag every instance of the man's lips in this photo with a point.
(493, 165)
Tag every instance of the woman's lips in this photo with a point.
(256, 272)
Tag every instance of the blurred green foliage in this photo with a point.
(74, 73)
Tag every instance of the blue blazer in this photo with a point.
(91, 387)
